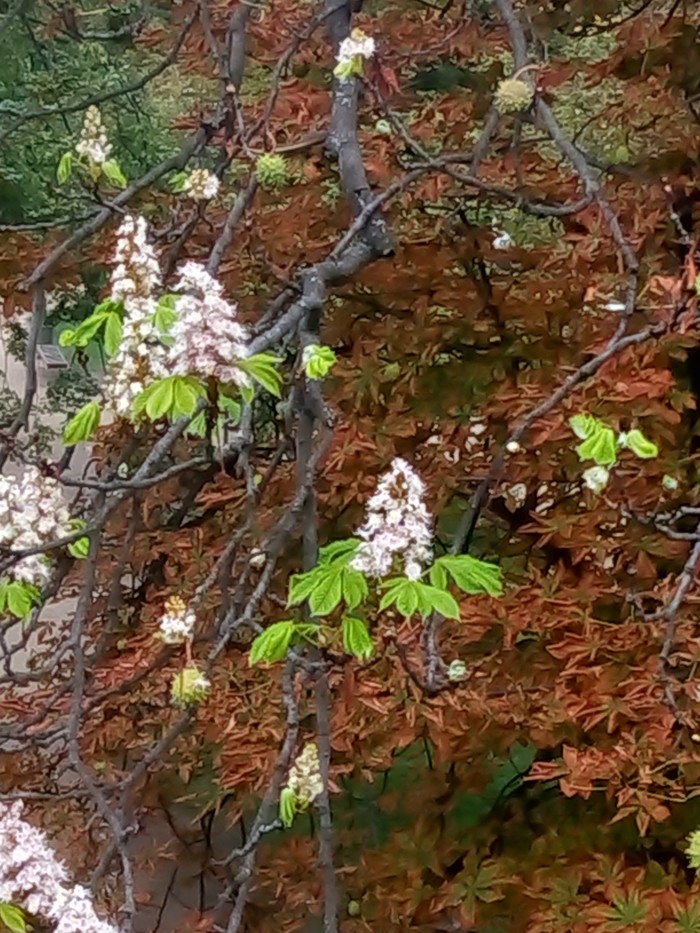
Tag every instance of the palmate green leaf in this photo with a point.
(354, 587)
(160, 398)
(287, 807)
(329, 582)
(113, 333)
(318, 360)
(80, 548)
(12, 918)
(409, 596)
(186, 393)
(600, 446)
(584, 425)
(471, 575)
(261, 368)
(114, 174)
(641, 446)
(343, 551)
(357, 640)
(18, 597)
(82, 425)
(272, 644)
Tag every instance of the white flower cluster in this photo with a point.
(135, 277)
(201, 184)
(207, 338)
(32, 512)
(357, 43)
(93, 138)
(397, 523)
(55, 297)
(177, 622)
(305, 779)
(32, 877)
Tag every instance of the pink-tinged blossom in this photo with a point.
(201, 184)
(32, 512)
(397, 524)
(33, 878)
(177, 622)
(135, 278)
(207, 340)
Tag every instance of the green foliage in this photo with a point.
(229, 413)
(330, 581)
(170, 397)
(688, 919)
(272, 644)
(19, 598)
(165, 314)
(80, 548)
(261, 368)
(12, 918)
(357, 639)
(114, 174)
(83, 425)
(107, 314)
(318, 361)
(272, 171)
(471, 575)
(600, 445)
(409, 596)
(639, 445)
(65, 167)
(287, 807)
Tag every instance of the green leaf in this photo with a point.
(402, 593)
(65, 168)
(272, 644)
(165, 314)
(261, 368)
(113, 333)
(583, 425)
(356, 638)
(317, 360)
(288, 806)
(471, 575)
(87, 329)
(186, 393)
(600, 446)
(247, 394)
(230, 409)
(66, 338)
(198, 426)
(301, 586)
(343, 550)
(177, 182)
(3, 595)
(328, 591)
(160, 398)
(80, 548)
(21, 597)
(438, 576)
(114, 174)
(13, 918)
(639, 444)
(438, 601)
(354, 587)
(82, 425)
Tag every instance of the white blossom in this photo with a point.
(357, 43)
(397, 524)
(177, 622)
(305, 779)
(502, 241)
(32, 512)
(135, 277)
(93, 144)
(207, 338)
(201, 184)
(32, 877)
(596, 478)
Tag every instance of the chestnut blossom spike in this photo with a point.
(32, 513)
(305, 779)
(93, 144)
(207, 339)
(201, 185)
(135, 278)
(33, 878)
(177, 622)
(356, 44)
(397, 524)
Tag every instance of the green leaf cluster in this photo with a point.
(170, 397)
(262, 369)
(331, 581)
(107, 314)
(229, 413)
(600, 444)
(18, 598)
(318, 361)
(272, 644)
